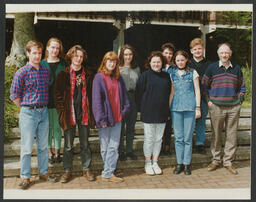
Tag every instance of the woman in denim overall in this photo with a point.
(185, 108)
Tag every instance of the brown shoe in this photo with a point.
(231, 169)
(88, 175)
(48, 177)
(212, 167)
(24, 184)
(66, 177)
(113, 179)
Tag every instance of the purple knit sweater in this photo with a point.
(101, 106)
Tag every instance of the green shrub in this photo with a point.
(247, 72)
(10, 109)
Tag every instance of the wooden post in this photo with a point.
(118, 43)
(119, 40)
(206, 29)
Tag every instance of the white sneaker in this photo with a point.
(157, 169)
(149, 170)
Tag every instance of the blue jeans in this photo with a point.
(33, 123)
(109, 142)
(200, 124)
(183, 125)
(128, 125)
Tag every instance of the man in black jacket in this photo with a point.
(200, 64)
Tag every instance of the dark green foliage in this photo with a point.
(10, 109)
(247, 73)
(240, 39)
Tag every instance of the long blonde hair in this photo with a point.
(61, 51)
(111, 55)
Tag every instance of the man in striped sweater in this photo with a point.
(223, 89)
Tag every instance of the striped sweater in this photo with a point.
(223, 86)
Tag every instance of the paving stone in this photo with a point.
(218, 179)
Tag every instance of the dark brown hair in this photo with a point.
(110, 55)
(183, 53)
(155, 54)
(169, 46)
(121, 56)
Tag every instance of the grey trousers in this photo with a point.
(230, 116)
(153, 133)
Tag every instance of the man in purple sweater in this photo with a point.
(223, 87)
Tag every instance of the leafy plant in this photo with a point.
(10, 109)
(239, 38)
(247, 73)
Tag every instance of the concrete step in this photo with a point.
(244, 124)
(12, 165)
(13, 147)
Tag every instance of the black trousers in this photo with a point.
(167, 134)
(85, 151)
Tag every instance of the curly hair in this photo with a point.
(110, 55)
(72, 52)
(155, 54)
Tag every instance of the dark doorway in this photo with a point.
(96, 38)
(147, 38)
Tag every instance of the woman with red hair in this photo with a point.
(110, 105)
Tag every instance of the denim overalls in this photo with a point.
(183, 114)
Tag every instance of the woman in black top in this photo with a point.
(152, 98)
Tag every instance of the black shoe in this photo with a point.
(51, 159)
(200, 149)
(122, 156)
(179, 168)
(187, 170)
(58, 159)
(132, 156)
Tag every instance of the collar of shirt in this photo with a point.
(31, 66)
(199, 61)
(221, 64)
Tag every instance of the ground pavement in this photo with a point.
(137, 179)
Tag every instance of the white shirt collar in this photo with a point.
(221, 64)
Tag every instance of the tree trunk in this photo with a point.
(23, 32)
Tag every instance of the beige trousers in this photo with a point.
(230, 116)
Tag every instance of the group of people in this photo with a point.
(173, 92)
